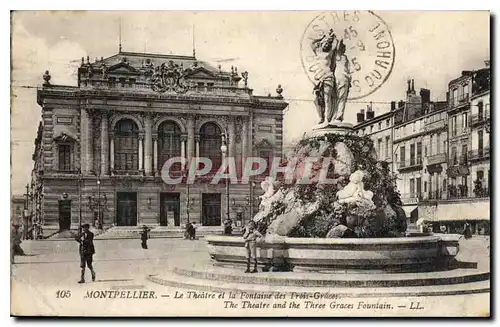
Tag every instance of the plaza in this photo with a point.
(122, 265)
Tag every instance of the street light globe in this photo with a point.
(98, 182)
(223, 148)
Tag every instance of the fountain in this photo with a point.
(337, 207)
(343, 212)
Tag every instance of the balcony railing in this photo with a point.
(412, 198)
(477, 119)
(458, 191)
(436, 158)
(479, 154)
(461, 160)
(411, 163)
(435, 125)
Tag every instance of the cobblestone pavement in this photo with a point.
(52, 266)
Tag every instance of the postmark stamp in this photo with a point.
(369, 47)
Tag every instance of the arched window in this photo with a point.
(210, 143)
(126, 145)
(169, 144)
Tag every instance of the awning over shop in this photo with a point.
(470, 210)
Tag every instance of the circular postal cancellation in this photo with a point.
(368, 46)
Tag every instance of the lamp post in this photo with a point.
(223, 149)
(241, 208)
(79, 203)
(98, 202)
(189, 201)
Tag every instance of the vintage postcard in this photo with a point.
(252, 164)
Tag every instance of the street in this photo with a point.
(45, 280)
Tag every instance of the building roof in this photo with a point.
(138, 61)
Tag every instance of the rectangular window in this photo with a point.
(210, 87)
(438, 136)
(387, 139)
(454, 126)
(379, 148)
(412, 187)
(387, 123)
(480, 111)
(464, 153)
(402, 155)
(412, 154)
(480, 175)
(64, 157)
(425, 187)
(464, 120)
(379, 126)
(454, 155)
(419, 153)
(480, 143)
(419, 186)
(430, 145)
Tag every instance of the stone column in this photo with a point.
(148, 146)
(244, 142)
(190, 138)
(183, 149)
(140, 139)
(84, 122)
(197, 140)
(104, 144)
(155, 154)
(90, 143)
(232, 138)
(89, 155)
(112, 153)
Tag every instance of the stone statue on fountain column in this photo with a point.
(333, 89)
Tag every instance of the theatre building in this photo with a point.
(103, 143)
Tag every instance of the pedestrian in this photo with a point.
(193, 230)
(187, 231)
(145, 236)
(87, 250)
(467, 231)
(251, 237)
(228, 226)
(16, 241)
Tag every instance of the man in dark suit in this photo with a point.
(87, 250)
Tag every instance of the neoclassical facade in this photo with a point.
(109, 137)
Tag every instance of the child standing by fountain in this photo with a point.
(251, 236)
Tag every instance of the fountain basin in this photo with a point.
(429, 252)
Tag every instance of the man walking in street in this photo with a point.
(145, 236)
(87, 250)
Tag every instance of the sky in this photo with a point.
(431, 47)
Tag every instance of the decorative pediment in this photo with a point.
(122, 68)
(264, 144)
(64, 138)
(201, 72)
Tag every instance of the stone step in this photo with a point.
(348, 279)
(171, 279)
(157, 232)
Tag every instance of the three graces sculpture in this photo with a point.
(333, 88)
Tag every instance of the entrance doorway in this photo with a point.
(126, 209)
(64, 215)
(211, 209)
(170, 207)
